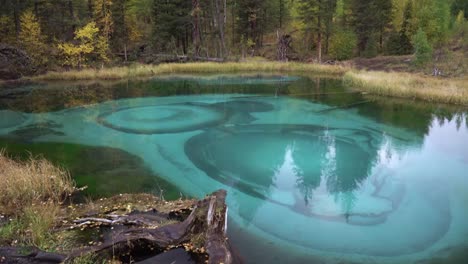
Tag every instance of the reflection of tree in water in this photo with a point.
(347, 201)
(459, 119)
(416, 116)
(343, 167)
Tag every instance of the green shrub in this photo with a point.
(342, 45)
(422, 48)
(398, 44)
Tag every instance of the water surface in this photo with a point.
(315, 172)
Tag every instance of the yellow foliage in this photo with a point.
(90, 42)
(87, 33)
(30, 37)
(103, 16)
(460, 19)
(134, 33)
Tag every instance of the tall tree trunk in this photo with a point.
(90, 8)
(196, 27)
(72, 16)
(217, 31)
(36, 8)
(381, 39)
(319, 41)
(125, 52)
(221, 27)
(280, 13)
(16, 17)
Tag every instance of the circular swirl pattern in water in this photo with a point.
(172, 118)
(286, 163)
(11, 119)
(322, 179)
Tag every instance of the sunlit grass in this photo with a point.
(33, 227)
(142, 70)
(31, 182)
(32, 192)
(406, 85)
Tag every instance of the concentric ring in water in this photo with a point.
(156, 119)
(323, 180)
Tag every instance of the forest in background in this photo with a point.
(81, 33)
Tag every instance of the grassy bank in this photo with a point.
(31, 195)
(38, 211)
(406, 85)
(140, 70)
(34, 181)
(395, 84)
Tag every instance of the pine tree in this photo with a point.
(250, 23)
(7, 32)
(31, 39)
(422, 48)
(384, 16)
(317, 16)
(405, 46)
(172, 24)
(102, 16)
(370, 18)
(121, 31)
(363, 21)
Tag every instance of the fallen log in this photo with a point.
(204, 232)
(143, 236)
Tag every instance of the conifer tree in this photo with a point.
(422, 48)
(31, 39)
(405, 46)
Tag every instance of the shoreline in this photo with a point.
(408, 85)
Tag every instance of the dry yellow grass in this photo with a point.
(406, 85)
(33, 182)
(142, 70)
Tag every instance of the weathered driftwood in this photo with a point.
(284, 44)
(141, 236)
(203, 230)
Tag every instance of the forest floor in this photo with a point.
(384, 63)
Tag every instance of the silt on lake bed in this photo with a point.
(314, 172)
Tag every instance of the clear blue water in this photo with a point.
(315, 173)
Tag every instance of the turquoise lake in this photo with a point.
(315, 173)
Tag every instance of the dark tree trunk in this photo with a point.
(220, 24)
(280, 13)
(16, 17)
(90, 8)
(196, 27)
(319, 33)
(72, 17)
